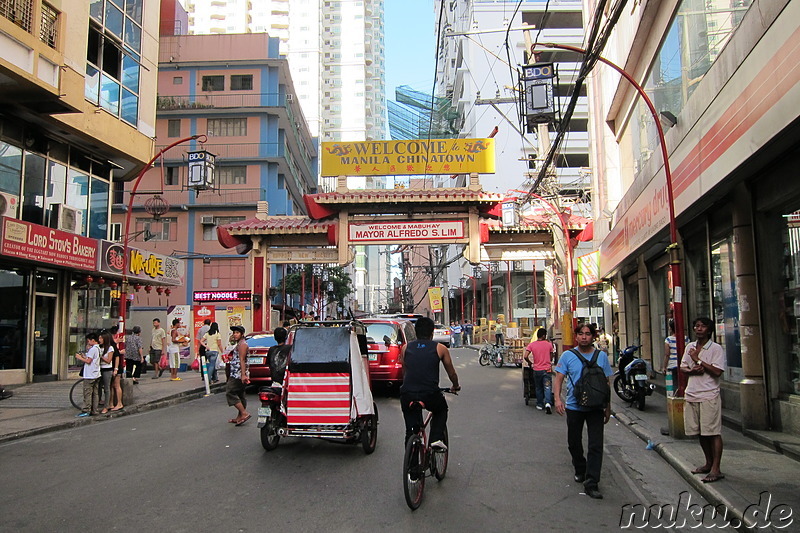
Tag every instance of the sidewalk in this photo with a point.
(39, 408)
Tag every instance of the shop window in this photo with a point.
(33, 189)
(56, 192)
(790, 316)
(726, 304)
(78, 194)
(13, 318)
(98, 209)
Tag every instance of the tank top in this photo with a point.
(421, 367)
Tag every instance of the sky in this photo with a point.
(410, 44)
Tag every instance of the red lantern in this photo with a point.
(113, 285)
(101, 280)
(148, 289)
(160, 290)
(89, 279)
(137, 286)
(167, 291)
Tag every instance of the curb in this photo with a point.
(175, 399)
(706, 490)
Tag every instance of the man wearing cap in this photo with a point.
(239, 377)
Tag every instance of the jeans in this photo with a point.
(544, 391)
(591, 464)
(456, 340)
(435, 403)
(105, 376)
(211, 364)
(467, 338)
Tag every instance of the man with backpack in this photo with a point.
(587, 373)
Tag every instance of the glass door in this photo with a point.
(43, 333)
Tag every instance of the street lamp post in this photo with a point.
(123, 308)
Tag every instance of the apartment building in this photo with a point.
(233, 89)
(77, 88)
(724, 81)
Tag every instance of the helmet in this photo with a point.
(240, 329)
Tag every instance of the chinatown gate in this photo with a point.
(339, 220)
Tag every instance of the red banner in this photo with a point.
(47, 245)
(201, 312)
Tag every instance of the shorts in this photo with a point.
(703, 418)
(174, 355)
(155, 356)
(234, 392)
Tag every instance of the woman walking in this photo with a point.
(212, 341)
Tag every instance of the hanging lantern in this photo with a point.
(167, 291)
(156, 206)
(201, 170)
(113, 285)
(148, 289)
(137, 286)
(160, 290)
(89, 279)
(101, 280)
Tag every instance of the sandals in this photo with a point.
(233, 420)
(711, 478)
(120, 408)
(243, 420)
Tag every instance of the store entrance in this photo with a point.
(44, 330)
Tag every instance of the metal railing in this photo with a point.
(225, 195)
(220, 101)
(20, 12)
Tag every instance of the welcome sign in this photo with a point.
(408, 157)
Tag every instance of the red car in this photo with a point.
(258, 346)
(385, 338)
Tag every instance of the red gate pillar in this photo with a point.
(260, 322)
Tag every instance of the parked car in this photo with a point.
(259, 344)
(385, 338)
(441, 333)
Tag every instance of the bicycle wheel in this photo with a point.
(439, 459)
(485, 358)
(76, 394)
(414, 471)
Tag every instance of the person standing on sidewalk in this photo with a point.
(106, 368)
(671, 357)
(467, 332)
(202, 351)
(174, 349)
(456, 331)
(91, 375)
(158, 345)
(239, 377)
(134, 359)
(704, 362)
(587, 468)
(212, 341)
(541, 349)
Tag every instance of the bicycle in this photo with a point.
(485, 354)
(419, 458)
(491, 354)
(76, 394)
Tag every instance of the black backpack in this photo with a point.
(592, 390)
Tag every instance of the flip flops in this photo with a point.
(243, 420)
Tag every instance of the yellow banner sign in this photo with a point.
(435, 297)
(408, 157)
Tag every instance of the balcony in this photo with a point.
(220, 101)
(229, 151)
(227, 195)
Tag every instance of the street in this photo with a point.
(184, 468)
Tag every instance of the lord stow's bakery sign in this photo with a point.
(47, 245)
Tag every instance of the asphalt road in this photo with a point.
(184, 468)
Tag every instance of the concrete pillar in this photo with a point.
(752, 387)
(644, 311)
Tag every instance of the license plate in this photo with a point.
(264, 412)
(255, 360)
(373, 357)
(640, 377)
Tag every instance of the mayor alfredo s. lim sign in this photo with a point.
(408, 157)
(445, 231)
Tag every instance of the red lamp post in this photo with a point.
(125, 236)
(673, 248)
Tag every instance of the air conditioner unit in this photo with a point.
(66, 218)
(289, 98)
(9, 205)
(208, 221)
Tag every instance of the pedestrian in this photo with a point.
(202, 352)
(498, 333)
(541, 365)
(604, 341)
(570, 365)
(158, 345)
(278, 356)
(467, 329)
(134, 358)
(671, 358)
(420, 359)
(239, 377)
(91, 375)
(174, 349)
(704, 362)
(455, 334)
(106, 368)
(212, 342)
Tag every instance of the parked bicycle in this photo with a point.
(76, 395)
(420, 458)
(491, 354)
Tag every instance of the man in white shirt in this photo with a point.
(704, 362)
(91, 375)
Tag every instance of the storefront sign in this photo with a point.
(47, 245)
(589, 269)
(142, 264)
(222, 296)
(408, 157)
(444, 231)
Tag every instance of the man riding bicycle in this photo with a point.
(420, 359)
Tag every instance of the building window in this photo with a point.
(232, 175)
(48, 32)
(210, 232)
(213, 83)
(227, 127)
(171, 176)
(163, 229)
(242, 82)
(116, 232)
(174, 127)
(177, 80)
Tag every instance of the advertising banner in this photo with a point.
(184, 314)
(47, 245)
(201, 313)
(408, 157)
(142, 264)
(235, 315)
(445, 231)
(589, 269)
(435, 297)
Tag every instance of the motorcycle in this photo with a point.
(631, 382)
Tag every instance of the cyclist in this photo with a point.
(420, 359)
